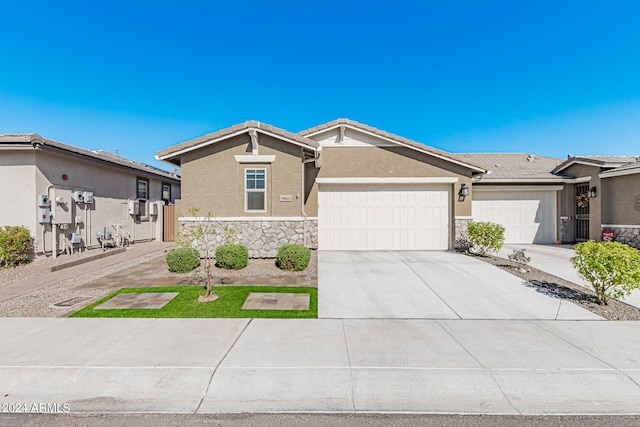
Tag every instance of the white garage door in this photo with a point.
(383, 216)
(528, 216)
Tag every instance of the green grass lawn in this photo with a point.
(186, 305)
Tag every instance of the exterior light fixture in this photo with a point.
(464, 190)
(592, 193)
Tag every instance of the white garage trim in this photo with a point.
(518, 188)
(528, 213)
(390, 180)
(358, 216)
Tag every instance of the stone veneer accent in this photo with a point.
(627, 235)
(461, 236)
(262, 237)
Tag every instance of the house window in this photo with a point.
(166, 192)
(255, 190)
(143, 195)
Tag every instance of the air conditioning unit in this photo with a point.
(153, 209)
(77, 196)
(134, 207)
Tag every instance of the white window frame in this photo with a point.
(262, 190)
(143, 200)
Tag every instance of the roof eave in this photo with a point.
(173, 156)
(614, 173)
(475, 169)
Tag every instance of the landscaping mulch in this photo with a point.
(549, 284)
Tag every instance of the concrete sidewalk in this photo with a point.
(328, 365)
(24, 287)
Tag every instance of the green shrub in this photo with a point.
(16, 245)
(293, 257)
(183, 260)
(519, 256)
(232, 257)
(485, 237)
(612, 268)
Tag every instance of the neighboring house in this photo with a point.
(57, 190)
(520, 192)
(345, 185)
(612, 188)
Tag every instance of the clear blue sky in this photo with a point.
(543, 77)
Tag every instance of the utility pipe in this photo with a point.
(302, 191)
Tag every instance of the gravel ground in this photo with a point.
(554, 286)
(40, 303)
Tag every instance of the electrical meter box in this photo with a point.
(61, 206)
(134, 207)
(75, 238)
(153, 209)
(77, 196)
(87, 196)
(43, 201)
(44, 215)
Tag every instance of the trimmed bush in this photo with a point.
(183, 260)
(485, 237)
(293, 257)
(16, 245)
(612, 268)
(519, 256)
(232, 257)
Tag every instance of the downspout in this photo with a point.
(44, 226)
(304, 214)
(54, 228)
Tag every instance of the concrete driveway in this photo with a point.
(428, 285)
(555, 259)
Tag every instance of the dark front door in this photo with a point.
(582, 212)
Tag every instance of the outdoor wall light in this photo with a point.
(592, 192)
(464, 192)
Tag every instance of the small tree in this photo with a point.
(485, 237)
(192, 237)
(612, 268)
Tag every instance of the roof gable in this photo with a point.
(343, 126)
(172, 154)
(606, 162)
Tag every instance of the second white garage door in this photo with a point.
(528, 216)
(383, 216)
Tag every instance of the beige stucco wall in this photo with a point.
(214, 182)
(112, 187)
(619, 196)
(17, 188)
(385, 162)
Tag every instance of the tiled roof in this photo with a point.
(388, 135)
(212, 137)
(36, 141)
(602, 161)
(512, 165)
